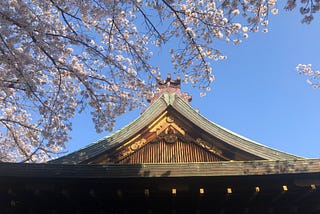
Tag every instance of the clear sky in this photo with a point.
(257, 92)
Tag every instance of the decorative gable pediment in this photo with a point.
(166, 140)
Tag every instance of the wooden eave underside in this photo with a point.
(213, 169)
(173, 103)
(229, 187)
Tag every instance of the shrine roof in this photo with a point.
(172, 102)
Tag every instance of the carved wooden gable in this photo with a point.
(163, 141)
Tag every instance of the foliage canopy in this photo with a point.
(59, 57)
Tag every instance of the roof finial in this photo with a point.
(169, 86)
(169, 83)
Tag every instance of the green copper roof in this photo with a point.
(228, 136)
(116, 138)
(163, 103)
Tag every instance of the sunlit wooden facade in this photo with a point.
(169, 160)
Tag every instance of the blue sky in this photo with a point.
(257, 92)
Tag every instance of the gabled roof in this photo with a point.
(215, 137)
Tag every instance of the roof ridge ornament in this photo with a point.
(169, 86)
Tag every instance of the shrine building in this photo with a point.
(171, 159)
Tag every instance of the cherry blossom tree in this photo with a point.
(59, 57)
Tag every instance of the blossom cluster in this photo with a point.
(308, 9)
(313, 76)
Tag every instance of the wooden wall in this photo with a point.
(164, 152)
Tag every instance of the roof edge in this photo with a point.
(228, 136)
(119, 136)
(208, 169)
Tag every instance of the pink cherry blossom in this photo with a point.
(60, 57)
